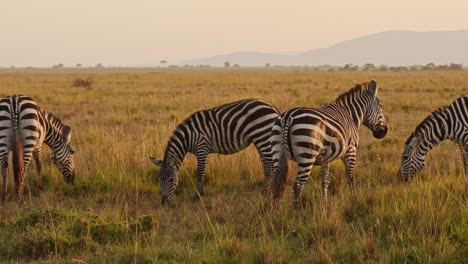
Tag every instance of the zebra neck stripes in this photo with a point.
(53, 128)
(450, 122)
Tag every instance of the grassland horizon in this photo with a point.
(113, 213)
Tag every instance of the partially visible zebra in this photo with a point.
(449, 122)
(24, 126)
(319, 136)
(225, 129)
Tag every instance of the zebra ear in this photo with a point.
(372, 86)
(66, 132)
(156, 161)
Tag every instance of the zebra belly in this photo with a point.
(228, 151)
(328, 156)
(320, 154)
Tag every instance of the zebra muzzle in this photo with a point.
(164, 200)
(380, 132)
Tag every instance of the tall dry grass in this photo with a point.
(113, 214)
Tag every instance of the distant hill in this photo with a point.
(391, 48)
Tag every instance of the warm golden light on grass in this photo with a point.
(113, 213)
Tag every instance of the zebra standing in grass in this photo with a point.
(319, 136)
(225, 129)
(24, 126)
(450, 122)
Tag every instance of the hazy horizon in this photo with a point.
(132, 33)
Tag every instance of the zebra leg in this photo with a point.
(37, 161)
(325, 173)
(464, 151)
(4, 168)
(302, 176)
(267, 163)
(27, 156)
(350, 161)
(202, 156)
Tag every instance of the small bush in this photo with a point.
(83, 83)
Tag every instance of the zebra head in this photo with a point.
(62, 155)
(410, 162)
(168, 178)
(374, 118)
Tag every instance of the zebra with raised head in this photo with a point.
(225, 129)
(24, 126)
(449, 122)
(319, 136)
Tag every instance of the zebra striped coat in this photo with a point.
(319, 136)
(225, 129)
(24, 126)
(450, 122)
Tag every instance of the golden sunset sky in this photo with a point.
(115, 32)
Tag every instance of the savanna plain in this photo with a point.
(113, 213)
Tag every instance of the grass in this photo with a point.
(113, 213)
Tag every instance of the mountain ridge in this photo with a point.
(393, 48)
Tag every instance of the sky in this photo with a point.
(144, 32)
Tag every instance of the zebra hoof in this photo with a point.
(197, 197)
(21, 201)
(300, 204)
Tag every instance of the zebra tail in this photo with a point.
(18, 159)
(281, 173)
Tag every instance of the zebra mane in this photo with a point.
(174, 136)
(439, 111)
(55, 122)
(359, 88)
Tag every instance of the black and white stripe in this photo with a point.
(24, 126)
(450, 122)
(319, 136)
(225, 129)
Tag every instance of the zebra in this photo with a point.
(449, 122)
(24, 126)
(319, 136)
(226, 129)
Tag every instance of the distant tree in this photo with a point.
(350, 67)
(99, 65)
(267, 65)
(227, 64)
(454, 66)
(368, 67)
(383, 67)
(429, 66)
(60, 65)
(163, 62)
(442, 67)
(78, 65)
(236, 66)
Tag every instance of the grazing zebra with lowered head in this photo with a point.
(24, 126)
(226, 129)
(449, 122)
(319, 136)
